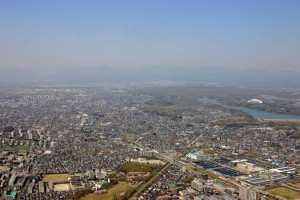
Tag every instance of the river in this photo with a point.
(258, 114)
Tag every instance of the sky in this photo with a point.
(256, 34)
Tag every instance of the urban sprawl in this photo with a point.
(115, 141)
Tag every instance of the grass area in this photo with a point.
(235, 122)
(297, 184)
(285, 192)
(92, 152)
(4, 168)
(155, 178)
(96, 152)
(115, 191)
(164, 111)
(17, 148)
(253, 154)
(128, 137)
(55, 177)
(139, 167)
(215, 176)
(208, 151)
(131, 139)
(162, 101)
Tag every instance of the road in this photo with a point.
(192, 168)
(199, 171)
(151, 181)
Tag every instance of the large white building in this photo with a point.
(193, 156)
(285, 170)
(254, 101)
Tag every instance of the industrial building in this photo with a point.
(254, 101)
(193, 156)
(265, 179)
(285, 170)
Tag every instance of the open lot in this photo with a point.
(4, 168)
(285, 192)
(55, 177)
(62, 187)
(114, 191)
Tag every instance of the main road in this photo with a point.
(191, 167)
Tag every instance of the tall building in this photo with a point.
(247, 193)
(197, 185)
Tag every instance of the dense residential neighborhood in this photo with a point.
(60, 142)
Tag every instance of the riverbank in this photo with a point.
(280, 120)
(257, 114)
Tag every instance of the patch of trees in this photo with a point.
(163, 111)
(294, 135)
(138, 167)
(8, 129)
(231, 123)
(187, 179)
(126, 195)
(81, 193)
(161, 102)
(282, 101)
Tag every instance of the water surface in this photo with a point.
(258, 114)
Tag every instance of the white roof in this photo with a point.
(283, 169)
(254, 101)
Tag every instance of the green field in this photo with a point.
(297, 184)
(55, 177)
(115, 191)
(164, 111)
(17, 148)
(139, 167)
(285, 192)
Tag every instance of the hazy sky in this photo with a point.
(256, 34)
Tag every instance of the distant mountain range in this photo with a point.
(108, 74)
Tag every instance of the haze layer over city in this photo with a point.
(150, 100)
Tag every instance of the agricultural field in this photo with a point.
(285, 192)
